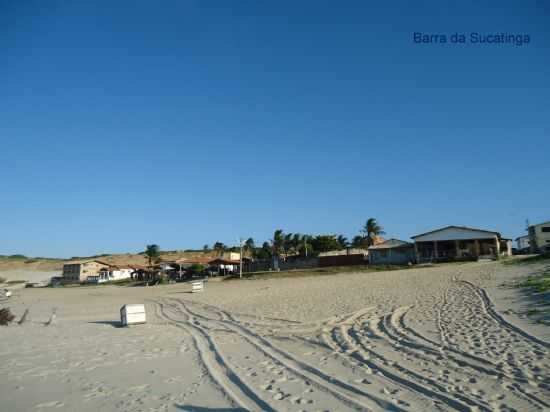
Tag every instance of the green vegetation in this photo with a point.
(6, 316)
(153, 254)
(14, 257)
(545, 257)
(371, 231)
(540, 282)
(2, 280)
(196, 268)
(304, 245)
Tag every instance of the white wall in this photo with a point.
(122, 274)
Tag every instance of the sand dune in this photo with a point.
(420, 339)
(28, 275)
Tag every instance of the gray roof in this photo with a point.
(538, 224)
(456, 227)
(390, 244)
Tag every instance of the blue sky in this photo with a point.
(183, 123)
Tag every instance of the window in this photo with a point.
(545, 229)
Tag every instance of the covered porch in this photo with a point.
(453, 250)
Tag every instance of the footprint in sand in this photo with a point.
(53, 404)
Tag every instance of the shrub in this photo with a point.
(6, 316)
(196, 268)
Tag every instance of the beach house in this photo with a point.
(460, 243)
(391, 252)
(523, 244)
(78, 271)
(539, 237)
(111, 273)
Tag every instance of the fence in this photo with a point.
(343, 260)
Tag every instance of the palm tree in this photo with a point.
(219, 247)
(343, 241)
(372, 230)
(287, 243)
(358, 241)
(296, 243)
(249, 246)
(153, 254)
(278, 242)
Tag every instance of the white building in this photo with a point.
(110, 274)
(523, 243)
(539, 237)
(460, 243)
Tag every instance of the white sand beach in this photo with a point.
(443, 338)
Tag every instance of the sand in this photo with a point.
(29, 275)
(443, 338)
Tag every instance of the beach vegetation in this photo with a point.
(540, 283)
(542, 258)
(6, 316)
(152, 252)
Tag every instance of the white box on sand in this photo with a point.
(197, 287)
(132, 314)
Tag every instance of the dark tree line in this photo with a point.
(297, 244)
(304, 245)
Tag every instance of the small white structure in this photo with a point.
(132, 314)
(197, 287)
(108, 274)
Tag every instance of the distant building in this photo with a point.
(110, 274)
(539, 237)
(78, 271)
(523, 243)
(460, 243)
(391, 252)
(230, 256)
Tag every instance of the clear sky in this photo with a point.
(183, 123)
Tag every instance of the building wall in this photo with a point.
(304, 263)
(231, 255)
(342, 252)
(523, 242)
(539, 237)
(343, 260)
(71, 272)
(79, 272)
(397, 256)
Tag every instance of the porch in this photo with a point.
(457, 250)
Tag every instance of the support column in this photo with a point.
(457, 249)
(416, 255)
(435, 249)
(497, 246)
(476, 243)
